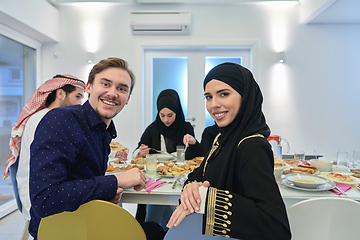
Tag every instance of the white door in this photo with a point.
(184, 70)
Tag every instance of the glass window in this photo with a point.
(170, 73)
(18, 82)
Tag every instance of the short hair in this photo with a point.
(108, 63)
(52, 96)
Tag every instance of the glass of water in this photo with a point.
(151, 165)
(342, 158)
(179, 152)
(356, 158)
(299, 156)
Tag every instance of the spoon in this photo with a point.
(182, 155)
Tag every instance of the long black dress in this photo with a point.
(243, 199)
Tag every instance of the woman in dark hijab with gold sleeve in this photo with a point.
(236, 181)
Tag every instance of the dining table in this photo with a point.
(166, 195)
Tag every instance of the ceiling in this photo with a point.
(332, 11)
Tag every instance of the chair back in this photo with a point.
(91, 221)
(324, 218)
(190, 228)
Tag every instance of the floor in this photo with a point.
(12, 226)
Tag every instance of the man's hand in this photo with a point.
(117, 198)
(190, 197)
(131, 178)
(178, 215)
(143, 150)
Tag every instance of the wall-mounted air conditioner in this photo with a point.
(160, 23)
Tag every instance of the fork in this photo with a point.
(155, 150)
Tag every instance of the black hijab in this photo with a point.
(173, 134)
(249, 120)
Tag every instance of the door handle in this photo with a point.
(190, 119)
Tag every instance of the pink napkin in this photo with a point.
(151, 184)
(343, 187)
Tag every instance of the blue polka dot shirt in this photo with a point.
(68, 161)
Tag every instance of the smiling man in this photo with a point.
(70, 150)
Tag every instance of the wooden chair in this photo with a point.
(324, 218)
(91, 221)
(190, 228)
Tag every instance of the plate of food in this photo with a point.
(170, 169)
(111, 169)
(303, 169)
(195, 161)
(306, 180)
(328, 185)
(138, 161)
(344, 178)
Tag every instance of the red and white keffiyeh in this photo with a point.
(36, 103)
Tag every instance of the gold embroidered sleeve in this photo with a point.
(218, 210)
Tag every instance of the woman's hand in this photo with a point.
(190, 197)
(118, 195)
(188, 139)
(143, 150)
(178, 215)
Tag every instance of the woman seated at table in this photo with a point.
(236, 181)
(165, 133)
(169, 129)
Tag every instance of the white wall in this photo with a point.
(311, 100)
(36, 18)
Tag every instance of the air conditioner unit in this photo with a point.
(156, 23)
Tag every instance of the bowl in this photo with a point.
(278, 171)
(305, 180)
(339, 168)
(323, 165)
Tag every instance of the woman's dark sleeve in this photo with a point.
(148, 138)
(195, 150)
(206, 141)
(258, 212)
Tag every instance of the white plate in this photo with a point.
(357, 180)
(167, 176)
(114, 172)
(306, 180)
(325, 187)
(165, 157)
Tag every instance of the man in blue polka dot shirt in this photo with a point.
(70, 150)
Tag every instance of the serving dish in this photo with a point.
(306, 180)
(324, 187)
(348, 175)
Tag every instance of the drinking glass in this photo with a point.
(151, 165)
(342, 158)
(356, 158)
(179, 151)
(298, 156)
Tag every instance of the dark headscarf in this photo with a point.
(174, 133)
(250, 119)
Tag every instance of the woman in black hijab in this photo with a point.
(169, 129)
(165, 133)
(241, 196)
